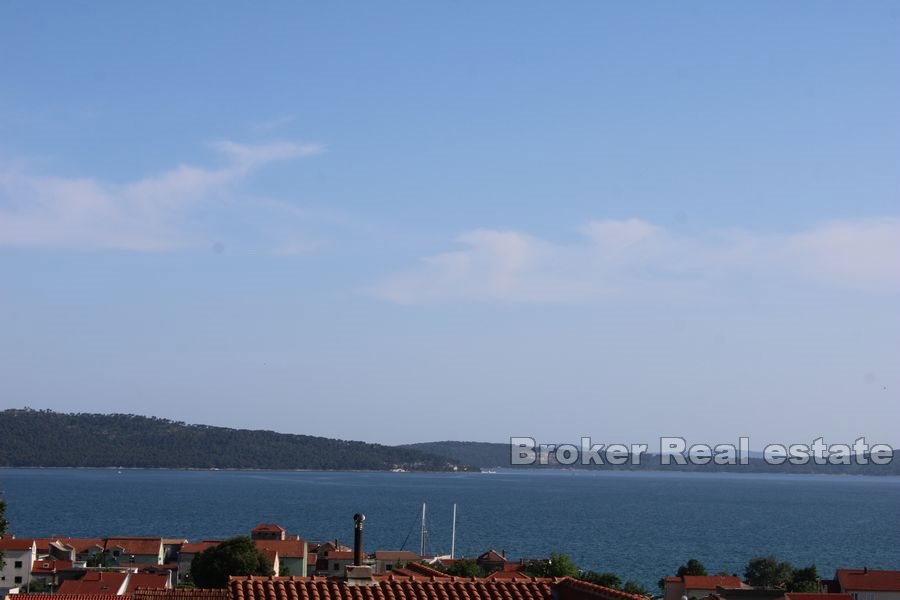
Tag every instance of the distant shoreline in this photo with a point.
(502, 471)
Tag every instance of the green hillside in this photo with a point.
(41, 438)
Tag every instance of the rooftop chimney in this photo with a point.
(358, 573)
(358, 519)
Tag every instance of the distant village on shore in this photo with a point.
(155, 568)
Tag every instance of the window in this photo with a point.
(18, 564)
(336, 566)
(18, 579)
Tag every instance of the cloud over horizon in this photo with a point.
(149, 214)
(632, 257)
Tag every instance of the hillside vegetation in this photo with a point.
(42, 438)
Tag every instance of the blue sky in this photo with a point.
(413, 221)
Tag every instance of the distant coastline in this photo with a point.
(47, 439)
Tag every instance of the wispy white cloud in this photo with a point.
(273, 123)
(149, 214)
(634, 258)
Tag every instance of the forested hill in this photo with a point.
(490, 455)
(33, 438)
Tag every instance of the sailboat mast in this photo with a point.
(424, 534)
(453, 535)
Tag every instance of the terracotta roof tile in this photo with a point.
(388, 587)
(155, 581)
(710, 582)
(285, 548)
(575, 589)
(82, 545)
(11, 543)
(94, 582)
(60, 596)
(269, 527)
(395, 555)
(491, 556)
(50, 565)
(183, 594)
(868, 580)
(135, 545)
(420, 569)
(197, 547)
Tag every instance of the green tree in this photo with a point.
(101, 559)
(766, 571)
(235, 556)
(464, 567)
(805, 579)
(3, 524)
(39, 586)
(632, 587)
(557, 565)
(692, 567)
(610, 580)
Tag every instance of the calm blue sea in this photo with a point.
(638, 525)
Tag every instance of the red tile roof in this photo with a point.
(59, 596)
(269, 527)
(387, 588)
(404, 572)
(420, 569)
(503, 574)
(197, 547)
(135, 545)
(285, 548)
(339, 555)
(11, 543)
(868, 580)
(83, 545)
(513, 566)
(50, 565)
(575, 589)
(155, 581)
(184, 594)
(94, 582)
(491, 556)
(710, 582)
(395, 555)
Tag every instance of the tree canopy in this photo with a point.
(557, 565)
(235, 556)
(611, 580)
(3, 522)
(692, 567)
(767, 571)
(464, 567)
(3, 525)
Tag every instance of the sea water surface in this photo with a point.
(640, 526)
